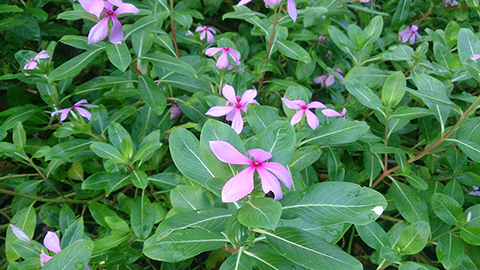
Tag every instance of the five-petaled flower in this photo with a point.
(291, 8)
(300, 105)
(95, 7)
(409, 34)
(475, 191)
(77, 106)
(333, 113)
(242, 184)
(222, 61)
(208, 31)
(234, 106)
(328, 79)
(100, 30)
(32, 64)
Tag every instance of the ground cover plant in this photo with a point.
(167, 134)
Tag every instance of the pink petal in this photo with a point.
(413, 28)
(344, 112)
(405, 37)
(84, 113)
(81, 102)
(126, 8)
(331, 113)
(51, 242)
(271, 2)
(42, 55)
(243, 2)
(116, 2)
(229, 93)
(292, 10)
(95, 7)
(30, 65)
(20, 234)
(222, 61)
(270, 183)
(202, 35)
(316, 105)
(44, 258)
(293, 104)
(330, 80)
(116, 35)
(238, 186)
(237, 123)
(248, 96)
(259, 155)
(85, 4)
(226, 153)
(210, 37)
(231, 115)
(280, 171)
(312, 119)
(296, 117)
(218, 111)
(235, 55)
(213, 50)
(108, 6)
(99, 31)
(212, 30)
(412, 39)
(199, 28)
(319, 79)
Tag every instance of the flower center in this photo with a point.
(256, 164)
(109, 13)
(304, 107)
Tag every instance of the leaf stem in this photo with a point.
(270, 44)
(173, 30)
(41, 199)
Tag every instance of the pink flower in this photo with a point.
(32, 64)
(364, 1)
(242, 184)
(291, 8)
(52, 243)
(20, 234)
(312, 119)
(449, 3)
(100, 30)
(475, 57)
(328, 79)
(234, 106)
(222, 61)
(206, 31)
(77, 106)
(475, 191)
(409, 34)
(333, 113)
(95, 7)
(322, 39)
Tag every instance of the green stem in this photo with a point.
(270, 44)
(350, 241)
(18, 175)
(452, 230)
(41, 199)
(173, 31)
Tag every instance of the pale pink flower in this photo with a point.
(100, 30)
(300, 105)
(475, 191)
(78, 107)
(475, 57)
(333, 113)
(364, 1)
(409, 34)
(328, 79)
(242, 184)
(95, 7)
(449, 3)
(208, 31)
(32, 64)
(291, 8)
(52, 243)
(234, 106)
(222, 61)
(20, 234)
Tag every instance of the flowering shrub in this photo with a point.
(350, 138)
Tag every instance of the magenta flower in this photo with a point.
(32, 64)
(234, 106)
(328, 79)
(95, 7)
(242, 184)
(409, 34)
(175, 112)
(100, 30)
(20, 234)
(475, 57)
(322, 39)
(312, 119)
(222, 61)
(291, 8)
(77, 106)
(333, 113)
(209, 31)
(475, 191)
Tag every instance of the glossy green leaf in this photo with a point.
(414, 237)
(393, 89)
(279, 140)
(75, 256)
(471, 235)
(67, 217)
(99, 212)
(25, 220)
(236, 232)
(142, 217)
(339, 131)
(411, 205)
(260, 117)
(267, 258)
(401, 13)
(363, 94)
(373, 235)
(19, 137)
(73, 66)
(67, 149)
(73, 233)
(170, 63)
(119, 55)
(260, 213)
(293, 50)
(238, 261)
(304, 157)
(446, 208)
(187, 198)
(139, 179)
(151, 93)
(449, 251)
(107, 151)
(99, 180)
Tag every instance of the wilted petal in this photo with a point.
(225, 152)
(84, 113)
(237, 123)
(316, 105)
(259, 155)
(270, 183)
(213, 50)
(229, 93)
(44, 258)
(126, 8)
(293, 104)
(19, 233)
(238, 186)
(331, 113)
(280, 171)
(222, 61)
(292, 9)
(243, 2)
(95, 7)
(99, 31)
(51, 242)
(218, 111)
(296, 117)
(116, 35)
(312, 119)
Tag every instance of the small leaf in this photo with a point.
(446, 208)
(260, 213)
(393, 89)
(151, 93)
(73, 66)
(414, 237)
(119, 55)
(449, 251)
(142, 217)
(139, 179)
(293, 50)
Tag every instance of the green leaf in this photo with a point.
(446, 208)
(293, 50)
(414, 237)
(238, 261)
(471, 149)
(260, 213)
(260, 117)
(107, 151)
(369, 76)
(415, 266)
(468, 45)
(147, 150)
(109, 242)
(67, 217)
(26, 251)
(339, 131)
(99, 180)
(119, 55)
(373, 235)
(116, 183)
(151, 93)
(363, 94)
(72, 67)
(139, 179)
(75, 256)
(185, 150)
(330, 203)
(170, 63)
(25, 220)
(394, 89)
(182, 18)
(21, 115)
(267, 258)
(19, 137)
(187, 198)
(212, 219)
(304, 157)
(471, 235)
(73, 233)
(409, 113)
(450, 251)
(279, 140)
(67, 149)
(117, 225)
(416, 181)
(401, 13)
(147, 21)
(142, 217)
(411, 205)
(236, 232)
(310, 251)
(9, 8)
(99, 212)
(185, 83)
(183, 244)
